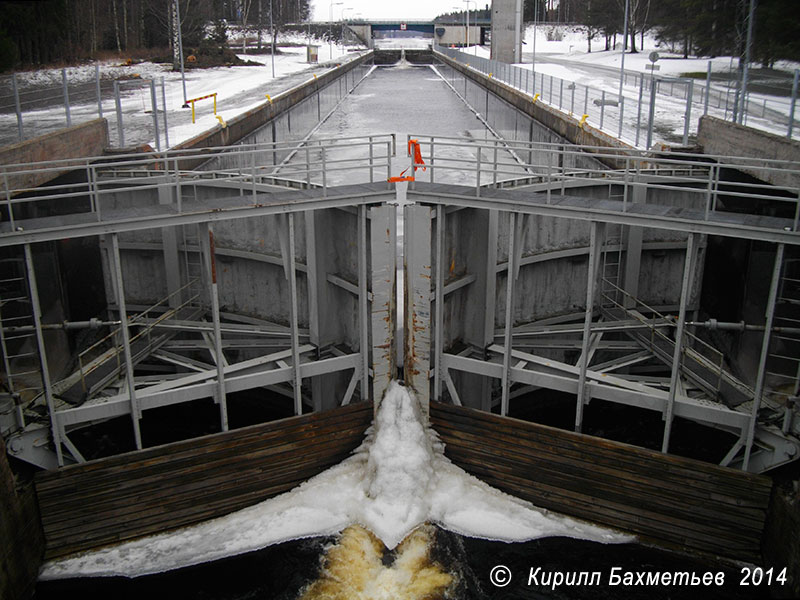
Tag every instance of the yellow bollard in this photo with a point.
(583, 121)
(223, 123)
(215, 103)
(192, 111)
(268, 98)
(535, 98)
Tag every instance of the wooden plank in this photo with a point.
(542, 460)
(113, 483)
(168, 452)
(636, 459)
(666, 499)
(179, 484)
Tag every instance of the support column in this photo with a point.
(116, 271)
(439, 305)
(511, 273)
(33, 290)
(595, 240)
(169, 240)
(686, 291)
(633, 251)
(296, 378)
(363, 301)
(210, 267)
(762, 361)
(417, 252)
(383, 250)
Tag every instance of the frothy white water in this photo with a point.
(395, 481)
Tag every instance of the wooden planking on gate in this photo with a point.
(140, 493)
(674, 501)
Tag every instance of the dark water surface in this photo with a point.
(281, 572)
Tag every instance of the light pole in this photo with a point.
(272, 35)
(180, 47)
(330, 24)
(344, 10)
(624, 45)
(535, 24)
(476, 8)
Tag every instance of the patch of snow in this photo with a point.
(394, 482)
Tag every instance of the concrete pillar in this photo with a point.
(507, 31)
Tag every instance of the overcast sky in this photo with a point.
(388, 9)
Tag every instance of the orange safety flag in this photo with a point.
(415, 151)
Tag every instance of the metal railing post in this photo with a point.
(651, 117)
(154, 105)
(688, 117)
(66, 96)
(794, 102)
(19, 110)
(99, 94)
(708, 88)
(164, 104)
(120, 131)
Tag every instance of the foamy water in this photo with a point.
(395, 482)
(358, 567)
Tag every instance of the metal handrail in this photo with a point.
(715, 363)
(132, 320)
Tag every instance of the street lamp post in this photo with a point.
(476, 8)
(272, 34)
(180, 47)
(330, 24)
(624, 45)
(344, 10)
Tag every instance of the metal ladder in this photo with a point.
(17, 332)
(783, 359)
(194, 273)
(611, 273)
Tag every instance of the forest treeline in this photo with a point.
(47, 31)
(693, 27)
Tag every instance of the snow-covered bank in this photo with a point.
(394, 482)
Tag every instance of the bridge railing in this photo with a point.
(641, 115)
(554, 167)
(95, 183)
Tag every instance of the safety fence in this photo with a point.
(41, 108)
(651, 108)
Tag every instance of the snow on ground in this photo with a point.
(238, 88)
(394, 482)
(562, 52)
